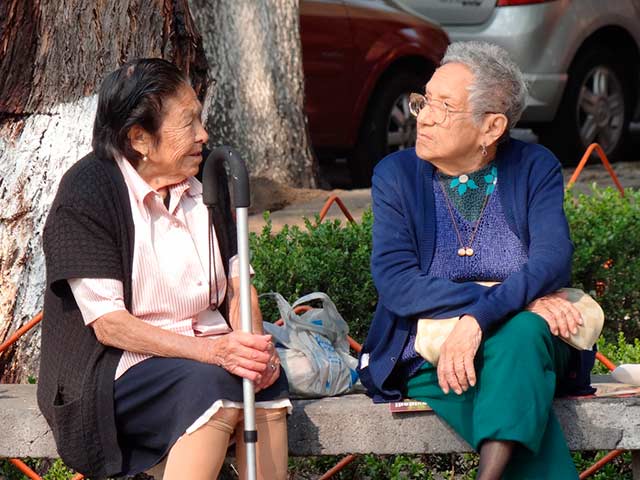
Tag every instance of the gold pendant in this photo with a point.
(462, 252)
(468, 251)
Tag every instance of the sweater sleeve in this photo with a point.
(82, 230)
(403, 287)
(550, 251)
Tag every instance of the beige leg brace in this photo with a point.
(272, 449)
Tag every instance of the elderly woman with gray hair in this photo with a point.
(470, 204)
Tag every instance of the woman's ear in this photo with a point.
(140, 140)
(494, 126)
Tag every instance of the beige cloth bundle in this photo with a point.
(432, 333)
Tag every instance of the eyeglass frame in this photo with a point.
(447, 108)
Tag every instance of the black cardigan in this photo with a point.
(89, 233)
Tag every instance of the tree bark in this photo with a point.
(53, 56)
(257, 87)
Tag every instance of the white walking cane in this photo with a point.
(240, 181)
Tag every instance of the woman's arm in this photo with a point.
(233, 296)
(403, 287)
(273, 365)
(548, 267)
(240, 353)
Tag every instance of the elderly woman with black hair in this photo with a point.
(142, 358)
(470, 204)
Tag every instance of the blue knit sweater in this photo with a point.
(498, 254)
(404, 234)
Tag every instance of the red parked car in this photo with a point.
(361, 60)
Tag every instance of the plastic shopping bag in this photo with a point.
(313, 348)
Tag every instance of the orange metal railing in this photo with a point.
(21, 331)
(601, 463)
(600, 286)
(330, 201)
(605, 161)
(29, 473)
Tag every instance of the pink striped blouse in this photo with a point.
(170, 287)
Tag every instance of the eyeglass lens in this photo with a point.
(437, 109)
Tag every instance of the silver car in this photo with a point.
(580, 57)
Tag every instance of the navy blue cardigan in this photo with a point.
(531, 193)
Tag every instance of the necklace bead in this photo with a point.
(462, 182)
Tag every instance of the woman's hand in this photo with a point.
(272, 372)
(455, 367)
(244, 354)
(563, 318)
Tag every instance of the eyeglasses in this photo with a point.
(439, 110)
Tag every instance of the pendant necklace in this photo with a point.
(464, 250)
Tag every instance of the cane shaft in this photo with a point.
(248, 392)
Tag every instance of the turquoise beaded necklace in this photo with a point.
(469, 200)
(467, 192)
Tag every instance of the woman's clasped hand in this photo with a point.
(249, 356)
(559, 313)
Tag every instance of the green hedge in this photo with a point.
(327, 257)
(334, 257)
(605, 228)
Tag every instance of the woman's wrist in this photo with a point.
(471, 321)
(206, 350)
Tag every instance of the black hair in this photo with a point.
(133, 95)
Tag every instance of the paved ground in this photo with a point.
(357, 201)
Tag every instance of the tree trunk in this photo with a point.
(257, 89)
(53, 56)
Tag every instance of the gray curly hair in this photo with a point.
(498, 84)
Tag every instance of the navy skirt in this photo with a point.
(159, 398)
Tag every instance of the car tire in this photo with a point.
(596, 107)
(387, 126)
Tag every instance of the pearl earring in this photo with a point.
(484, 150)
(145, 158)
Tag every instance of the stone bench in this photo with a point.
(353, 424)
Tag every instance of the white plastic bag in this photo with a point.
(313, 348)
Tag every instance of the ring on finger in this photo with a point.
(273, 366)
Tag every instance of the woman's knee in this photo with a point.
(524, 331)
(227, 416)
(526, 325)
(264, 415)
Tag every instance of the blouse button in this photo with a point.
(393, 359)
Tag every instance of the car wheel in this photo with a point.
(388, 125)
(596, 107)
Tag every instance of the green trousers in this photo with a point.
(516, 369)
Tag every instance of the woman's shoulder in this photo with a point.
(401, 163)
(85, 168)
(527, 162)
(524, 154)
(87, 179)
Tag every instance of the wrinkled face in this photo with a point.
(458, 137)
(177, 151)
